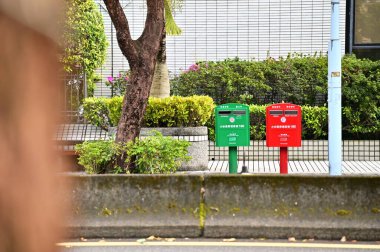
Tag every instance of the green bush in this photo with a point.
(84, 40)
(96, 112)
(198, 110)
(158, 154)
(361, 96)
(314, 123)
(98, 156)
(257, 122)
(178, 111)
(172, 111)
(299, 79)
(152, 154)
(225, 81)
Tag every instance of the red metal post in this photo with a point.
(284, 160)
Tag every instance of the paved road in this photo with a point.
(214, 246)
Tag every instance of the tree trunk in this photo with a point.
(141, 55)
(161, 86)
(134, 106)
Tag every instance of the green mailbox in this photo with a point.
(232, 129)
(232, 125)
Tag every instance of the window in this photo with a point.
(367, 16)
(363, 31)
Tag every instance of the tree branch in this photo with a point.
(126, 43)
(154, 23)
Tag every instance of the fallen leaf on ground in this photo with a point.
(292, 239)
(308, 240)
(170, 239)
(214, 209)
(83, 239)
(102, 240)
(153, 238)
(229, 240)
(344, 239)
(354, 241)
(262, 239)
(141, 241)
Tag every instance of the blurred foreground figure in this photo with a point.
(29, 205)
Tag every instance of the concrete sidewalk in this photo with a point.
(300, 167)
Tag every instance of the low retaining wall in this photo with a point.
(240, 206)
(293, 206)
(134, 206)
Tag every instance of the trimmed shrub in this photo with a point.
(314, 122)
(161, 112)
(178, 111)
(199, 110)
(152, 154)
(158, 154)
(98, 156)
(299, 79)
(102, 112)
(361, 96)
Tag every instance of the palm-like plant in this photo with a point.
(161, 86)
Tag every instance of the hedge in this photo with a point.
(198, 111)
(296, 79)
(172, 111)
(300, 79)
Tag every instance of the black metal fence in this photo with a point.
(311, 150)
(73, 90)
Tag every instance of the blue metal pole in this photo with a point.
(335, 94)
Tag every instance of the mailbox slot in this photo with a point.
(275, 112)
(291, 112)
(239, 112)
(224, 112)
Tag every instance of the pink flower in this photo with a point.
(110, 78)
(126, 78)
(194, 67)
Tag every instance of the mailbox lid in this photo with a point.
(283, 125)
(232, 125)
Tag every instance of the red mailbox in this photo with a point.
(283, 129)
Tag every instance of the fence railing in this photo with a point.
(72, 92)
(311, 150)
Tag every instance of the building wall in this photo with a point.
(218, 29)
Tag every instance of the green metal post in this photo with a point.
(232, 160)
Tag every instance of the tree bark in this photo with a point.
(161, 86)
(141, 55)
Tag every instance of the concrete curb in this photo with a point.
(134, 206)
(223, 205)
(319, 207)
